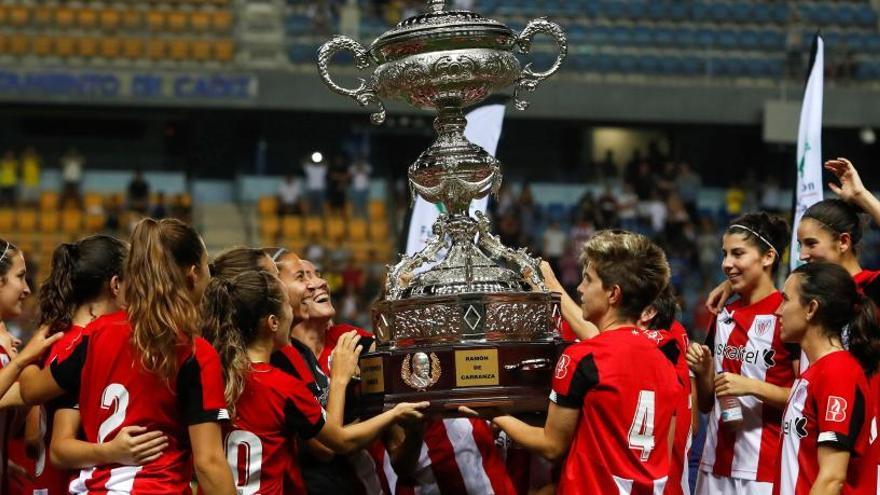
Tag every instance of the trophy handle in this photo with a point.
(364, 94)
(530, 79)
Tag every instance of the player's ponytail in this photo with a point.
(233, 313)
(843, 311)
(81, 271)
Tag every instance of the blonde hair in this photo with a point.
(162, 313)
(232, 312)
(632, 262)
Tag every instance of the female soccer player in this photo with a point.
(149, 368)
(827, 418)
(613, 420)
(744, 358)
(248, 318)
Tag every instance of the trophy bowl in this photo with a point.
(466, 321)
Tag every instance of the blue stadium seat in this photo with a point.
(741, 12)
(700, 12)
(772, 39)
(671, 65)
(693, 66)
(865, 15)
(719, 12)
(621, 36)
(706, 38)
(648, 64)
(846, 15)
(872, 42)
(599, 35)
(664, 37)
(685, 37)
(627, 63)
(780, 12)
(727, 39)
(678, 11)
(642, 36)
(578, 33)
(658, 11)
(749, 39)
(636, 9)
(762, 13)
(612, 9)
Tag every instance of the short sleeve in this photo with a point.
(200, 386)
(67, 371)
(574, 376)
(303, 413)
(840, 410)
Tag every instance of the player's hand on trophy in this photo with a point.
(344, 360)
(699, 358)
(851, 188)
(550, 279)
(410, 411)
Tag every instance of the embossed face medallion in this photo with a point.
(420, 370)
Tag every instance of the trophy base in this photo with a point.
(509, 377)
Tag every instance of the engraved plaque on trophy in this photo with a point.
(478, 328)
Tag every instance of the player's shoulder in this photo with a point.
(338, 330)
(837, 366)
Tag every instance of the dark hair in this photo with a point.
(666, 306)
(837, 217)
(764, 231)
(842, 306)
(7, 252)
(236, 261)
(232, 311)
(160, 309)
(80, 272)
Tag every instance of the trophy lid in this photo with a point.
(441, 29)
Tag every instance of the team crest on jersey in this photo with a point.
(836, 410)
(764, 324)
(562, 366)
(653, 335)
(420, 371)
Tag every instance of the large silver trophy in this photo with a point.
(477, 327)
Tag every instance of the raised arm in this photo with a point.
(571, 310)
(851, 188)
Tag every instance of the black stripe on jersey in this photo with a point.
(280, 361)
(670, 350)
(365, 343)
(297, 423)
(68, 373)
(710, 335)
(190, 395)
(848, 441)
(586, 377)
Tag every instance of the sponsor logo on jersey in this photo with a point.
(836, 410)
(746, 355)
(796, 426)
(562, 366)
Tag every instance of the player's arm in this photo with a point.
(833, 465)
(33, 437)
(735, 385)
(209, 460)
(12, 397)
(551, 441)
(716, 299)
(132, 446)
(320, 451)
(571, 311)
(699, 360)
(851, 188)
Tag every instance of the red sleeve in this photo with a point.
(575, 374)
(200, 386)
(566, 332)
(303, 414)
(840, 407)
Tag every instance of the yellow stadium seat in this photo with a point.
(378, 230)
(65, 46)
(377, 209)
(95, 222)
(49, 221)
(357, 229)
(111, 47)
(4, 44)
(178, 50)
(267, 205)
(49, 200)
(224, 50)
(19, 15)
(93, 200)
(131, 19)
(64, 17)
(335, 228)
(177, 21)
(156, 20)
(222, 21)
(87, 18)
(87, 47)
(200, 21)
(291, 226)
(42, 15)
(72, 221)
(4, 14)
(19, 44)
(133, 48)
(314, 226)
(156, 49)
(110, 19)
(269, 229)
(7, 219)
(42, 45)
(201, 50)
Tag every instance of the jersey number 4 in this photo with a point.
(641, 432)
(244, 453)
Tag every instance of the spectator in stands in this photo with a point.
(290, 196)
(644, 182)
(654, 211)
(627, 208)
(338, 185)
(360, 171)
(139, 193)
(734, 199)
(687, 185)
(607, 168)
(608, 207)
(316, 185)
(8, 179)
(527, 212)
(72, 163)
(31, 163)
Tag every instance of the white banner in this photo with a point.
(809, 147)
(483, 129)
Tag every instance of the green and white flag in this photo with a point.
(483, 129)
(809, 146)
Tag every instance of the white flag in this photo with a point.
(809, 147)
(483, 129)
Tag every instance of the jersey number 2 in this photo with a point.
(641, 432)
(122, 478)
(244, 453)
